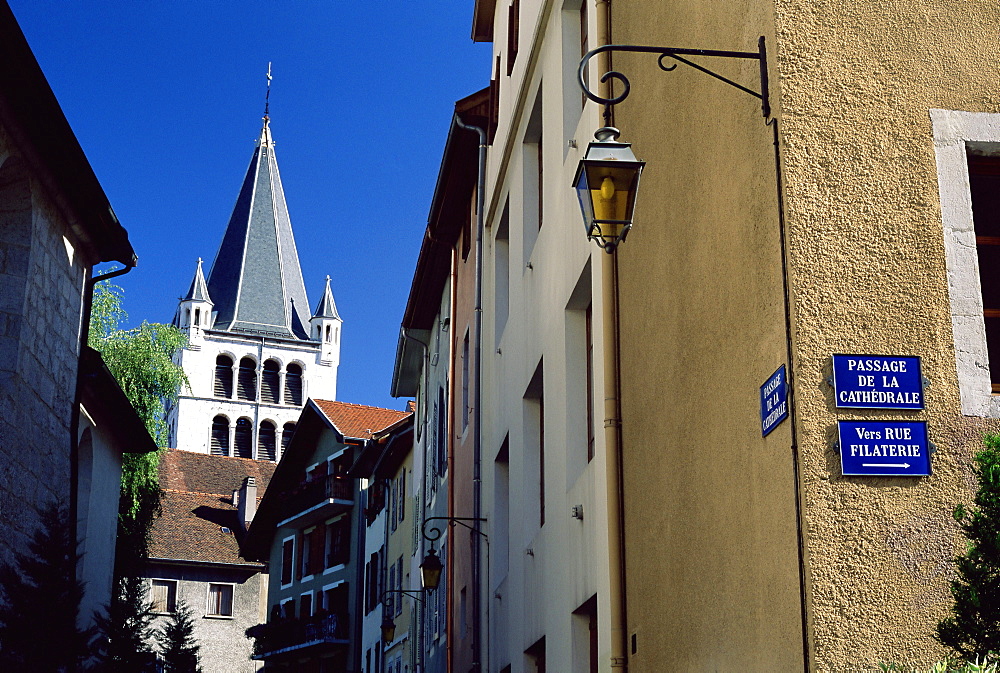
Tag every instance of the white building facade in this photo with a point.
(255, 353)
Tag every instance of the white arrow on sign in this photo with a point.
(885, 464)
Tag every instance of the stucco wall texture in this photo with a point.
(852, 83)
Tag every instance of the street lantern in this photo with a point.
(606, 183)
(388, 628)
(430, 571)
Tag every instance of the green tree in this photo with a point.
(125, 631)
(178, 648)
(141, 360)
(973, 630)
(40, 601)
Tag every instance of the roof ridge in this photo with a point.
(211, 456)
(181, 490)
(361, 406)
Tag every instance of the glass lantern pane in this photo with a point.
(586, 202)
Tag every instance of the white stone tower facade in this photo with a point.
(254, 352)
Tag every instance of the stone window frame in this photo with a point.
(955, 132)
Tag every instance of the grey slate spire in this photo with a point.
(256, 280)
(198, 290)
(326, 308)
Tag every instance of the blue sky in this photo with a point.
(166, 99)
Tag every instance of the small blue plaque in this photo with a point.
(773, 401)
(884, 448)
(877, 382)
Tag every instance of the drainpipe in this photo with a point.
(612, 408)
(449, 557)
(74, 419)
(477, 436)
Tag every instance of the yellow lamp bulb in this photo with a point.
(607, 188)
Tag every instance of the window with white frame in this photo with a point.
(965, 144)
(287, 560)
(163, 594)
(220, 600)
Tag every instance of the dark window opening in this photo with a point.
(269, 382)
(293, 385)
(513, 30)
(286, 435)
(244, 438)
(246, 384)
(287, 560)
(220, 436)
(223, 377)
(984, 182)
(266, 442)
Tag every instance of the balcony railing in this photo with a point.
(293, 635)
(317, 492)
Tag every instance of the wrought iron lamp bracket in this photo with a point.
(677, 54)
(412, 593)
(434, 533)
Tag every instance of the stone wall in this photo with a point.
(41, 288)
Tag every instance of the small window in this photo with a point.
(513, 30)
(246, 388)
(244, 438)
(293, 385)
(287, 560)
(270, 379)
(328, 334)
(224, 377)
(220, 436)
(163, 594)
(220, 600)
(197, 316)
(287, 430)
(305, 606)
(984, 183)
(266, 440)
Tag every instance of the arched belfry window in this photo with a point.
(270, 379)
(293, 385)
(244, 438)
(246, 385)
(224, 377)
(266, 441)
(220, 436)
(286, 436)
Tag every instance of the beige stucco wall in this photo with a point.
(703, 327)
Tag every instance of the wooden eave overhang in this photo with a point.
(106, 403)
(32, 115)
(482, 20)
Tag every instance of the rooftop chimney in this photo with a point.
(247, 505)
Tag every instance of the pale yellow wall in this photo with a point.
(710, 506)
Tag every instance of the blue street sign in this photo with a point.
(773, 401)
(877, 382)
(884, 448)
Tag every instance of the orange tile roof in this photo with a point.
(197, 504)
(358, 420)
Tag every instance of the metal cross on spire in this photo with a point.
(267, 96)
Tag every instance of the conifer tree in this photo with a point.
(40, 601)
(125, 631)
(178, 648)
(973, 630)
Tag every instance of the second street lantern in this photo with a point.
(606, 182)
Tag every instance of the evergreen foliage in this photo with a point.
(124, 630)
(178, 648)
(40, 601)
(973, 630)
